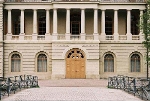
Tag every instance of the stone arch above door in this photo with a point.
(75, 46)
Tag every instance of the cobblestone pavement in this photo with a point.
(74, 90)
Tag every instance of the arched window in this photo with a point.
(135, 63)
(17, 26)
(108, 25)
(108, 63)
(42, 63)
(15, 63)
(42, 25)
(134, 27)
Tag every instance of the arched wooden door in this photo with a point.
(75, 64)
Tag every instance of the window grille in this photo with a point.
(135, 63)
(15, 63)
(108, 63)
(42, 63)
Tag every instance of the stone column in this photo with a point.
(141, 31)
(116, 35)
(82, 24)
(67, 24)
(9, 26)
(22, 34)
(129, 35)
(95, 34)
(34, 35)
(103, 34)
(47, 34)
(55, 34)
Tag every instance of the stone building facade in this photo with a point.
(73, 39)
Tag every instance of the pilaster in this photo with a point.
(95, 34)
(82, 24)
(129, 35)
(34, 35)
(9, 31)
(55, 34)
(103, 34)
(67, 35)
(116, 35)
(47, 34)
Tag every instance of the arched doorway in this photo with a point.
(75, 64)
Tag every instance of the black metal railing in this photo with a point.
(136, 86)
(12, 84)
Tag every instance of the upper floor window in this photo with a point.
(42, 25)
(15, 63)
(108, 25)
(17, 25)
(108, 63)
(75, 24)
(135, 63)
(42, 63)
(134, 27)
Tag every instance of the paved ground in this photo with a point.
(75, 90)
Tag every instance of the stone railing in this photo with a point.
(71, 37)
(123, 1)
(101, 1)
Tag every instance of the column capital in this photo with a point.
(129, 9)
(55, 8)
(95, 8)
(47, 9)
(116, 9)
(22, 9)
(9, 9)
(68, 8)
(34, 9)
(141, 9)
(82, 8)
(103, 9)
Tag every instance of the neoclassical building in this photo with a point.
(72, 39)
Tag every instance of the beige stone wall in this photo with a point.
(1, 40)
(122, 22)
(28, 52)
(1, 59)
(28, 22)
(61, 22)
(91, 50)
(122, 53)
(89, 22)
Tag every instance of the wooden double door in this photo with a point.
(75, 64)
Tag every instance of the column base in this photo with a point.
(103, 36)
(47, 36)
(8, 36)
(67, 36)
(96, 36)
(142, 36)
(34, 36)
(129, 36)
(21, 36)
(116, 36)
(82, 36)
(54, 36)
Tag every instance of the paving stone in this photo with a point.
(72, 90)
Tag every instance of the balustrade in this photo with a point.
(72, 37)
(102, 1)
